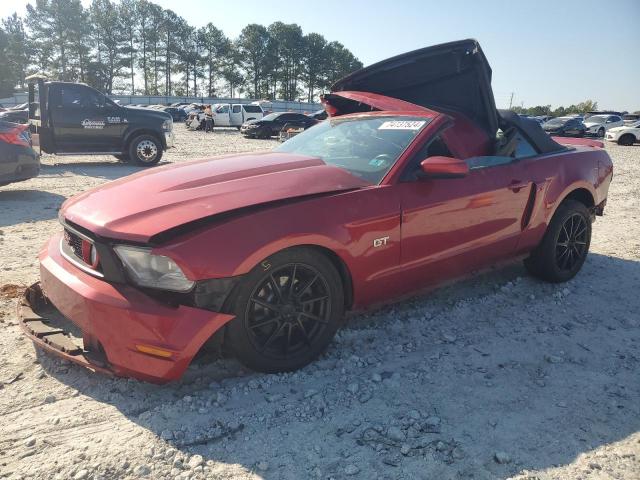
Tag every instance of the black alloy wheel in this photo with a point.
(565, 244)
(288, 308)
(571, 247)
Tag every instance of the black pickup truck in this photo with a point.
(75, 119)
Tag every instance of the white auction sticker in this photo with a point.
(402, 125)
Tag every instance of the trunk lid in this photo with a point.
(452, 76)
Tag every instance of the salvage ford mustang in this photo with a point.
(416, 178)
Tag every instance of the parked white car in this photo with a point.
(625, 135)
(234, 115)
(599, 124)
(630, 118)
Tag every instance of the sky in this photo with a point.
(545, 52)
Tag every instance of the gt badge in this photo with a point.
(379, 242)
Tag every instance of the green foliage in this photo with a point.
(7, 75)
(137, 47)
(537, 111)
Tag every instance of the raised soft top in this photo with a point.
(452, 76)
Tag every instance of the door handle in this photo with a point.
(517, 185)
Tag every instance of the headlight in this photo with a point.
(253, 125)
(154, 271)
(167, 125)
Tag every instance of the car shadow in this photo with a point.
(40, 205)
(499, 362)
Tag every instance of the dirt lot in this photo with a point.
(500, 376)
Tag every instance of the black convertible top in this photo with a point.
(530, 129)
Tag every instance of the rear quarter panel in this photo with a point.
(555, 177)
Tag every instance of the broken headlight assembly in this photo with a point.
(154, 271)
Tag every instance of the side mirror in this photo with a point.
(444, 167)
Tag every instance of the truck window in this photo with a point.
(79, 96)
(222, 109)
(236, 109)
(252, 109)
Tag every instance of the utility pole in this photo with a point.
(511, 101)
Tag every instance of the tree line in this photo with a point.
(138, 47)
(541, 110)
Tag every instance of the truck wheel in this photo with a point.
(288, 308)
(565, 244)
(627, 139)
(145, 150)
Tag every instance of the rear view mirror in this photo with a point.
(444, 167)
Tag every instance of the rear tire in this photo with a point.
(626, 140)
(565, 244)
(145, 150)
(288, 308)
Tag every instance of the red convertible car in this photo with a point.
(413, 180)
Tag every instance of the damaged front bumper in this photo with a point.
(49, 333)
(111, 328)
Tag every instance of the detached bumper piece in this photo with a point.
(49, 330)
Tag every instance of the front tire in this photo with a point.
(288, 308)
(601, 132)
(145, 150)
(565, 244)
(626, 140)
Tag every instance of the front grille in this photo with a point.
(75, 242)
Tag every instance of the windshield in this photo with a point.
(597, 119)
(364, 146)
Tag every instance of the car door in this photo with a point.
(80, 119)
(277, 123)
(451, 226)
(236, 115)
(222, 118)
(613, 121)
(573, 127)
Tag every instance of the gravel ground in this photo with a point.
(499, 376)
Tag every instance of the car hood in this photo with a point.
(142, 205)
(592, 124)
(451, 76)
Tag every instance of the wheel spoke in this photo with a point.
(292, 280)
(307, 286)
(307, 340)
(287, 343)
(313, 300)
(566, 234)
(267, 305)
(275, 286)
(314, 317)
(265, 322)
(274, 335)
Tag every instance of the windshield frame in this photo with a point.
(382, 115)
